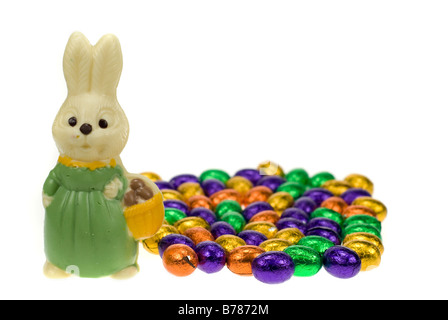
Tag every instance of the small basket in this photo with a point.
(144, 219)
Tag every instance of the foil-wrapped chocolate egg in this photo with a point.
(176, 204)
(151, 176)
(257, 194)
(172, 239)
(252, 175)
(337, 187)
(272, 182)
(306, 204)
(199, 202)
(298, 175)
(252, 237)
(211, 186)
(318, 243)
(273, 267)
(318, 195)
(226, 194)
(190, 222)
(182, 178)
(326, 223)
(214, 174)
(211, 257)
(354, 210)
(334, 203)
(320, 178)
(270, 168)
(326, 233)
(169, 194)
(284, 223)
(327, 213)
(292, 235)
(230, 242)
(227, 206)
(152, 244)
(180, 260)
(351, 194)
(198, 235)
(341, 262)
(360, 181)
(281, 201)
(240, 184)
(362, 219)
(268, 216)
(376, 205)
(220, 228)
(239, 260)
(266, 228)
(164, 185)
(362, 227)
(204, 213)
(172, 215)
(296, 214)
(190, 189)
(307, 261)
(275, 245)
(235, 219)
(295, 189)
(256, 207)
(364, 236)
(369, 254)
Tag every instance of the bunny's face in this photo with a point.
(91, 126)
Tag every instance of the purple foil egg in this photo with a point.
(319, 195)
(211, 186)
(255, 208)
(164, 185)
(341, 262)
(295, 213)
(273, 267)
(250, 174)
(221, 228)
(284, 223)
(272, 182)
(306, 204)
(176, 204)
(204, 213)
(171, 239)
(351, 194)
(252, 237)
(211, 256)
(325, 223)
(182, 178)
(326, 233)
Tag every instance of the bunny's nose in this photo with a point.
(85, 128)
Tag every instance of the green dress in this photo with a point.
(86, 233)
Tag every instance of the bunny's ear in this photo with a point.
(107, 65)
(77, 63)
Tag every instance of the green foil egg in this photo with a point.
(235, 219)
(173, 215)
(320, 178)
(227, 206)
(299, 176)
(318, 243)
(293, 188)
(362, 219)
(327, 213)
(307, 261)
(214, 174)
(361, 228)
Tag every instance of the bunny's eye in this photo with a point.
(72, 121)
(103, 124)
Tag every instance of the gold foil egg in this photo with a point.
(275, 244)
(258, 193)
(169, 194)
(281, 201)
(266, 228)
(230, 242)
(334, 203)
(376, 205)
(190, 189)
(360, 181)
(152, 176)
(369, 254)
(270, 168)
(292, 235)
(267, 216)
(198, 235)
(337, 187)
(190, 222)
(239, 260)
(152, 244)
(365, 236)
(199, 202)
(240, 184)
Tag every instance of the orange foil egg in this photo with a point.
(357, 209)
(335, 203)
(198, 235)
(226, 194)
(267, 216)
(199, 202)
(180, 260)
(240, 184)
(240, 259)
(258, 193)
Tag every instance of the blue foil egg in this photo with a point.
(164, 185)
(211, 256)
(284, 223)
(306, 204)
(211, 186)
(204, 213)
(273, 267)
(255, 208)
(252, 237)
(295, 213)
(325, 223)
(171, 239)
(318, 195)
(351, 194)
(221, 228)
(326, 233)
(182, 178)
(176, 204)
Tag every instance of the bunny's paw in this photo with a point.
(112, 188)
(126, 273)
(53, 272)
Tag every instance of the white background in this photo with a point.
(339, 86)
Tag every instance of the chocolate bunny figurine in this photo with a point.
(89, 229)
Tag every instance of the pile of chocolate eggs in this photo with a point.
(269, 224)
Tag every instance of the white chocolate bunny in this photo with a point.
(85, 229)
